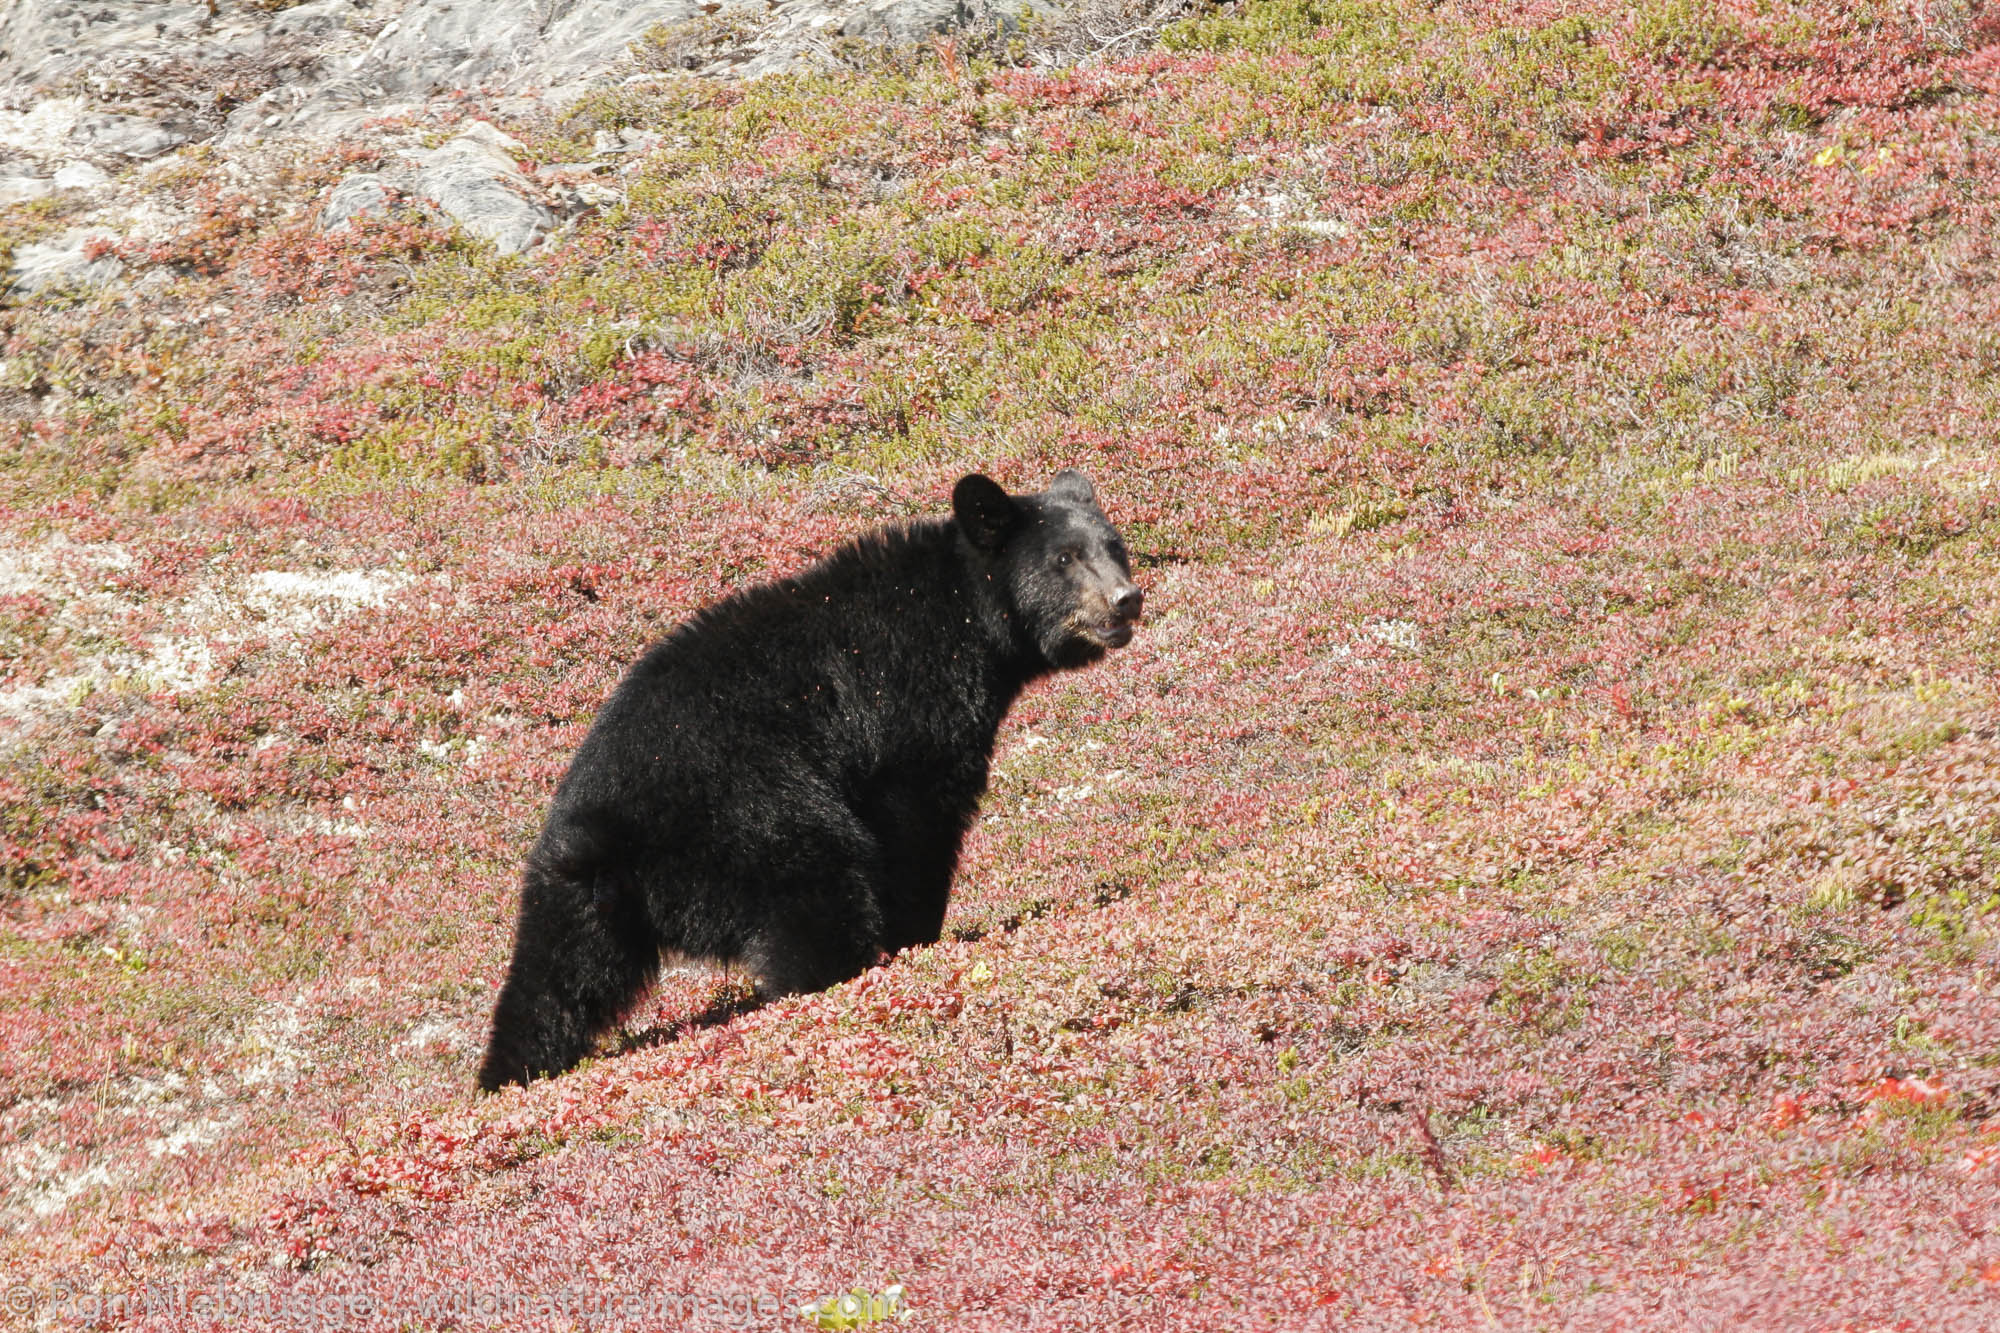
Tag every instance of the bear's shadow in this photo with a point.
(728, 999)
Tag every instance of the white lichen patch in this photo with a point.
(52, 120)
(302, 600)
(191, 1134)
(436, 1031)
(42, 1172)
(176, 664)
(41, 1183)
(1401, 634)
(275, 1044)
(91, 606)
(459, 749)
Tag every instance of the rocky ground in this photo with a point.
(104, 104)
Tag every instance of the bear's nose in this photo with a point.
(1125, 603)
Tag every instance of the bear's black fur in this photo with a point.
(785, 779)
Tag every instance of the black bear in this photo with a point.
(784, 781)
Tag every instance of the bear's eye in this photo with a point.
(1062, 558)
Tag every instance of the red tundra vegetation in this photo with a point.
(1536, 869)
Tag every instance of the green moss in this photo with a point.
(1355, 31)
(1686, 30)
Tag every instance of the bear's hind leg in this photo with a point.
(581, 957)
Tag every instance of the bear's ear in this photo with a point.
(1071, 485)
(984, 511)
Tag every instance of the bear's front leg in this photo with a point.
(817, 931)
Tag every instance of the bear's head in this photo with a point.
(1063, 566)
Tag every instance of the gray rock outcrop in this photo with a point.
(474, 182)
(95, 94)
(58, 128)
(288, 67)
(79, 176)
(509, 44)
(471, 181)
(19, 185)
(363, 194)
(74, 259)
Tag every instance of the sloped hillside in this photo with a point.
(1535, 869)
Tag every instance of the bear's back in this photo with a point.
(826, 672)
